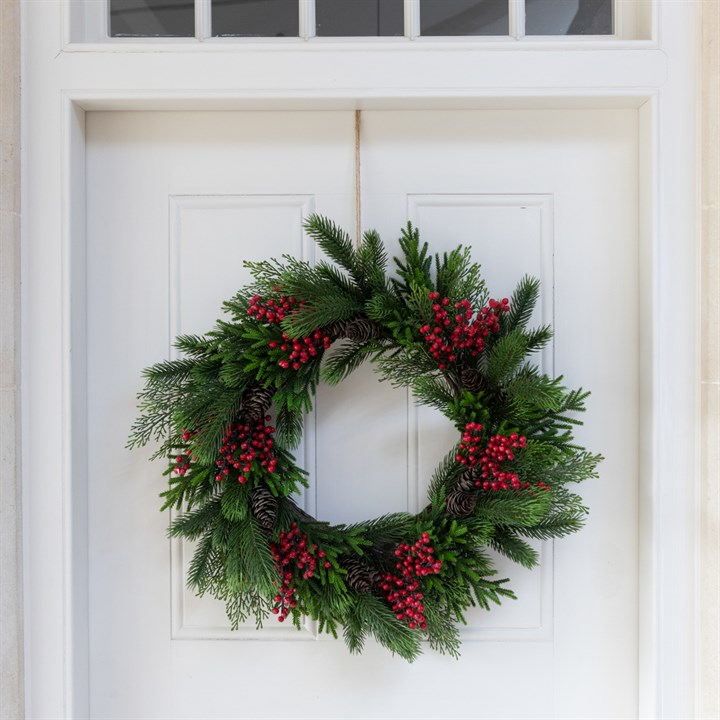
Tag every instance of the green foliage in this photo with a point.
(507, 542)
(505, 356)
(370, 615)
(458, 278)
(344, 360)
(189, 404)
(445, 475)
(413, 268)
(522, 304)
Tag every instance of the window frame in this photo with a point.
(89, 22)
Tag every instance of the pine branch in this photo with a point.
(403, 367)
(434, 391)
(209, 413)
(343, 361)
(555, 525)
(522, 304)
(258, 563)
(457, 277)
(235, 502)
(289, 426)
(512, 508)
(322, 312)
(193, 524)
(355, 632)
(538, 338)
(491, 591)
(195, 346)
(371, 263)
(383, 306)
(325, 272)
(203, 561)
(381, 622)
(169, 372)
(507, 543)
(416, 263)
(334, 241)
(445, 475)
(442, 633)
(530, 393)
(505, 357)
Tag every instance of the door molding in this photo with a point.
(61, 89)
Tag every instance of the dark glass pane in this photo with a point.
(152, 18)
(568, 17)
(367, 18)
(464, 17)
(259, 18)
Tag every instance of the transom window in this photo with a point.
(305, 19)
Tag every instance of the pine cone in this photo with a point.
(335, 330)
(472, 380)
(466, 482)
(264, 507)
(360, 576)
(256, 402)
(361, 330)
(357, 329)
(460, 503)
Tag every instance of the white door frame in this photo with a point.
(63, 81)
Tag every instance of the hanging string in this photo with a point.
(358, 206)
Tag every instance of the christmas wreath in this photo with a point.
(402, 578)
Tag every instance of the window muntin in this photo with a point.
(206, 19)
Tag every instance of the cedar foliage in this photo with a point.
(188, 406)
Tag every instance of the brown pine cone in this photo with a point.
(361, 330)
(471, 380)
(263, 505)
(460, 503)
(357, 329)
(360, 576)
(466, 482)
(256, 402)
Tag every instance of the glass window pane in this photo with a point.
(255, 18)
(352, 18)
(464, 17)
(568, 17)
(152, 18)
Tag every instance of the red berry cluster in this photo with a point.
(401, 590)
(300, 350)
(469, 450)
(466, 329)
(271, 311)
(293, 352)
(182, 462)
(490, 458)
(293, 548)
(246, 448)
(499, 449)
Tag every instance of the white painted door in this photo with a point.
(176, 202)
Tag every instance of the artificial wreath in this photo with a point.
(402, 578)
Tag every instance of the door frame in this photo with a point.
(64, 81)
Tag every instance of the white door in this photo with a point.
(176, 202)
